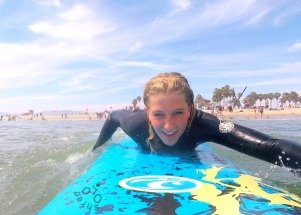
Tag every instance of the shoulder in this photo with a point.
(120, 111)
(125, 111)
(126, 114)
(117, 113)
(205, 122)
(204, 116)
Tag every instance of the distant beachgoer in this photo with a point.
(134, 106)
(261, 111)
(219, 111)
(230, 109)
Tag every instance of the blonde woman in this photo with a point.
(170, 123)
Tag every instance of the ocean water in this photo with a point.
(39, 158)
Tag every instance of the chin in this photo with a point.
(169, 140)
(169, 143)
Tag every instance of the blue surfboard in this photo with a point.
(124, 180)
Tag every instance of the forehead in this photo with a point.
(167, 100)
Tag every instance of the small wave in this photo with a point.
(74, 157)
(49, 162)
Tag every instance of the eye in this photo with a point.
(158, 115)
(177, 113)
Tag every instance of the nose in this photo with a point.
(168, 123)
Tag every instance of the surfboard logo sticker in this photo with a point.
(225, 127)
(160, 184)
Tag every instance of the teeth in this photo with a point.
(169, 133)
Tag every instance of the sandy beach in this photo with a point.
(236, 114)
(83, 116)
(251, 114)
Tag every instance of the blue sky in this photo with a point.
(73, 54)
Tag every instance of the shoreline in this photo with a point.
(225, 115)
(53, 117)
(267, 114)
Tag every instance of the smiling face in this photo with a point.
(168, 114)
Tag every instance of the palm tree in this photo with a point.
(265, 97)
(270, 96)
(200, 101)
(217, 96)
(251, 99)
(138, 99)
(284, 98)
(232, 93)
(260, 98)
(225, 93)
(294, 97)
(299, 101)
(277, 96)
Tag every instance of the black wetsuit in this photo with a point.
(205, 128)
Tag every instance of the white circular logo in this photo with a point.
(226, 127)
(160, 184)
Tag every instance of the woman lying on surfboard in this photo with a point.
(170, 123)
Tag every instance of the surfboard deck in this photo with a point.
(124, 180)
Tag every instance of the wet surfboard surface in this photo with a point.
(124, 180)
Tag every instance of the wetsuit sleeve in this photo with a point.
(110, 126)
(277, 151)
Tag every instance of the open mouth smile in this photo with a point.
(169, 132)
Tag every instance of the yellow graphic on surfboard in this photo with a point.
(224, 194)
(227, 203)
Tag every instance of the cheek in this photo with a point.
(182, 121)
(154, 121)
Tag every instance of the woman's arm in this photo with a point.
(277, 151)
(108, 129)
(133, 123)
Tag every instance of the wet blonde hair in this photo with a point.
(169, 82)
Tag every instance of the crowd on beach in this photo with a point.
(219, 111)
